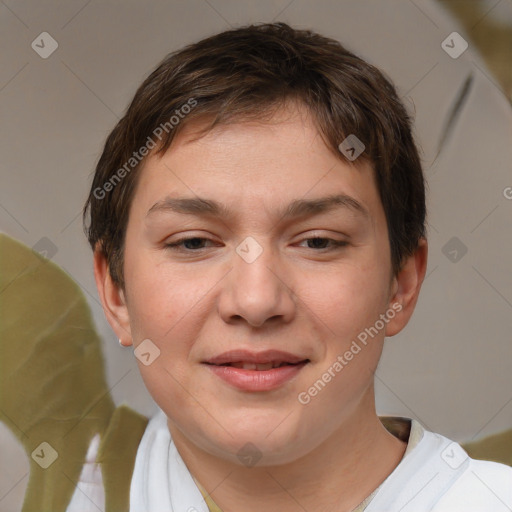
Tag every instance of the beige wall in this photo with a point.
(450, 368)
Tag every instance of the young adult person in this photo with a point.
(258, 225)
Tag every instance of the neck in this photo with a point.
(336, 476)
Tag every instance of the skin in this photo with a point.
(333, 452)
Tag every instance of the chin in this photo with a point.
(258, 452)
(261, 443)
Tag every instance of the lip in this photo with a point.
(267, 356)
(256, 380)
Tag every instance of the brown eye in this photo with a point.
(193, 244)
(321, 242)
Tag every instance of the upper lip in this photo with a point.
(245, 356)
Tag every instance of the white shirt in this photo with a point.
(437, 475)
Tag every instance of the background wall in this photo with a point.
(450, 368)
(489, 25)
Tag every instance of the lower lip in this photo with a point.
(256, 380)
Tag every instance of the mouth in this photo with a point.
(263, 371)
(259, 361)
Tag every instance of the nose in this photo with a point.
(258, 289)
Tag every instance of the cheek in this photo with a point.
(161, 298)
(351, 298)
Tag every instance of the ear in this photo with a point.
(112, 299)
(405, 288)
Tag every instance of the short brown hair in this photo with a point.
(246, 73)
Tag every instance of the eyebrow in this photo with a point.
(297, 208)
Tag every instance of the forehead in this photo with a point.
(258, 163)
(290, 130)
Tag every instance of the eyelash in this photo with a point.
(335, 244)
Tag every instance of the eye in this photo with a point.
(320, 242)
(178, 245)
(196, 243)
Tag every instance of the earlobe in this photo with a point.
(112, 299)
(406, 287)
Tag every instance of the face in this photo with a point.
(273, 274)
